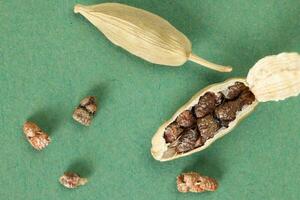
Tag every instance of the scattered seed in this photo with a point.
(85, 111)
(72, 180)
(194, 182)
(35, 136)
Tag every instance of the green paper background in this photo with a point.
(51, 58)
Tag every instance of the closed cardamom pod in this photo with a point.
(220, 107)
(143, 34)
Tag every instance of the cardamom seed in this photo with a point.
(72, 180)
(194, 182)
(35, 136)
(85, 111)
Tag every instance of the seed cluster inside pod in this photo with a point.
(214, 111)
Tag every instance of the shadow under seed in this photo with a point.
(206, 167)
(83, 167)
(48, 119)
(100, 92)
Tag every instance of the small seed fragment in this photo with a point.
(72, 180)
(207, 126)
(206, 104)
(187, 141)
(186, 119)
(85, 110)
(172, 132)
(194, 182)
(35, 136)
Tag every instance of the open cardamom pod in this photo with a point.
(143, 34)
(218, 108)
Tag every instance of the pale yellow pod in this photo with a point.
(270, 79)
(143, 34)
(275, 78)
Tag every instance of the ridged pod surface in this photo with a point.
(275, 78)
(280, 71)
(143, 34)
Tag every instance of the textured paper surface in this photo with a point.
(51, 58)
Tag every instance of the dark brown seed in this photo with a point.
(187, 141)
(200, 142)
(235, 90)
(220, 98)
(246, 98)
(227, 111)
(186, 119)
(206, 104)
(213, 112)
(172, 132)
(85, 111)
(223, 123)
(207, 126)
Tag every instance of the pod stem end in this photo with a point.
(208, 64)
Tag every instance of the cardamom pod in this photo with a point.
(275, 78)
(143, 34)
(220, 107)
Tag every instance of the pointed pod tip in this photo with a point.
(220, 68)
(227, 69)
(207, 64)
(78, 8)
